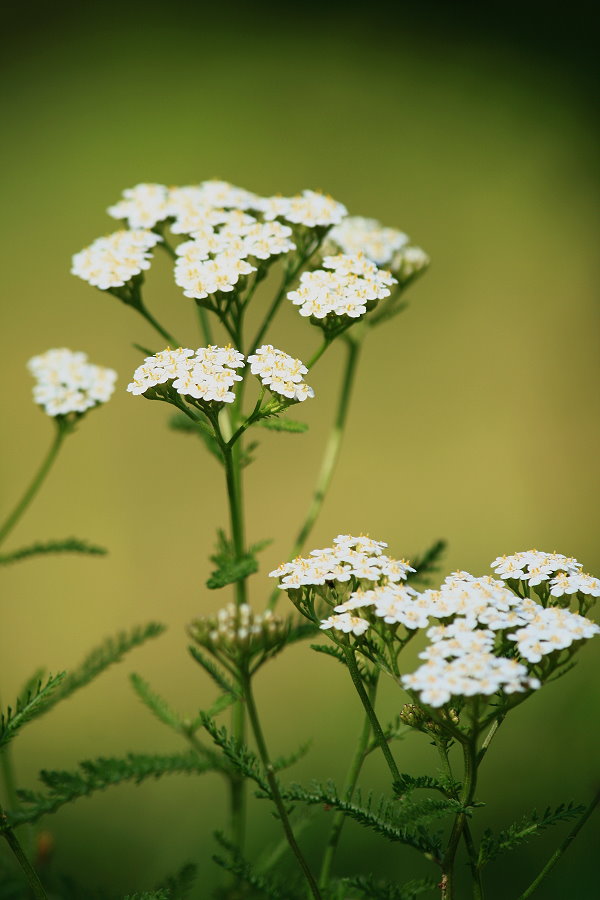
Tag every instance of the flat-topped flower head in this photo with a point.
(534, 566)
(112, 261)
(550, 630)
(142, 206)
(207, 373)
(346, 623)
(192, 206)
(469, 674)
(574, 583)
(355, 234)
(281, 373)
(347, 286)
(66, 382)
(310, 208)
(220, 274)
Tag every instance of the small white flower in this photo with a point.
(347, 623)
(281, 373)
(143, 206)
(309, 208)
(356, 234)
(67, 383)
(205, 374)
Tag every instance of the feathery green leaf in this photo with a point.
(242, 758)
(179, 885)
(289, 425)
(99, 774)
(181, 423)
(524, 829)
(214, 671)
(385, 890)
(266, 885)
(27, 707)
(66, 545)
(428, 562)
(156, 704)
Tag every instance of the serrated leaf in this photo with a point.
(289, 425)
(232, 571)
(214, 671)
(97, 775)
(284, 762)
(156, 704)
(245, 873)
(386, 890)
(27, 707)
(184, 425)
(428, 562)
(524, 829)
(65, 545)
(179, 885)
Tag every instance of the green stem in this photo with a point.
(31, 875)
(489, 737)
(563, 847)
(466, 798)
(171, 341)
(349, 788)
(274, 788)
(205, 326)
(62, 429)
(366, 702)
(8, 777)
(331, 453)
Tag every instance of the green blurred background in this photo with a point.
(475, 414)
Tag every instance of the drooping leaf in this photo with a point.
(99, 774)
(529, 826)
(44, 548)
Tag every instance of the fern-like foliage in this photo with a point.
(239, 755)
(157, 704)
(215, 672)
(428, 562)
(401, 821)
(407, 783)
(66, 545)
(289, 425)
(244, 873)
(527, 827)
(29, 705)
(386, 890)
(179, 885)
(230, 567)
(99, 774)
(284, 762)
(149, 895)
(101, 658)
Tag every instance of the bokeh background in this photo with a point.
(475, 417)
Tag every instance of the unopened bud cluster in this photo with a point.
(238, 630)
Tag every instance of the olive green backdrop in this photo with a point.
(475, 414)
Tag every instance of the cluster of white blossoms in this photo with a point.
(347, 290)
(475, 615)
(204, 374)
(215, 259)
(237, 627)
(280, 372)
(355, 234)
(360, 558)
(209, 373)
(112, 261)
(67, 383)
(192, 206)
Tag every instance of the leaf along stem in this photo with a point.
(563, 847)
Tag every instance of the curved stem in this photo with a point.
(349, 788)
(171, 341)
(274, 788)
(31, 875)
(331, 453)
(62, 429)
(466, 798)
(366, 702)
(564, 846)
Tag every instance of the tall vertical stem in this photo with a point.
(274, 788)
(469, 746)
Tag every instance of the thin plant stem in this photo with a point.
(331, 453)
(563, 847)
(489, 737)
(466, 798)
(171, 341)
(205, 325)
(62, 429)
(366, 702)
(274, 788)
(349, 788)
(8, 777)
(31, 875)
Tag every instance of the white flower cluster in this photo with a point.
(408, 261)
(477, 615)
(208, 373)
(534, 566)
(204, 374)
(355, 234)
(361, 558)
(192, 206)
(67, 383)
(214, 260)
(280, 373)
(354, 283)
(551, 629)
(237, 627)
(112, 261)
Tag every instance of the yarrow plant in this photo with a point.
(484, 643)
